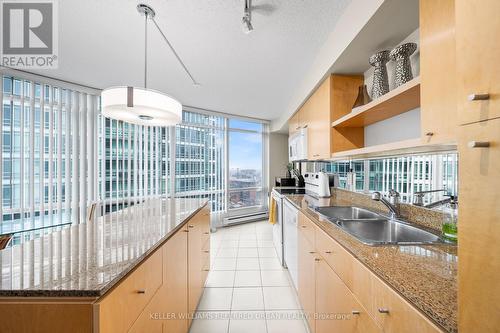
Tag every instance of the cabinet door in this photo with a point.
(176, 282)
(306, 277)
(293, 124)
(479, 228)
(337, 309)
(438, 103)
(195, 262)
(319, 123)
(395, 315)
(478, 54)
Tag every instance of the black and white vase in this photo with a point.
(402, 70)
(380, 85)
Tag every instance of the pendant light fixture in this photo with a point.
(143, 106)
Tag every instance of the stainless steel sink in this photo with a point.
(384, 231)
(346, 213)
(374, 229)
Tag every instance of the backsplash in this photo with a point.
(424, 217)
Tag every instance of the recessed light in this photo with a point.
(144, 117)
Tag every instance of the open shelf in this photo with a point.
(413, 146)
(397, 101)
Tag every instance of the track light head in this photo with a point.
(247, 17)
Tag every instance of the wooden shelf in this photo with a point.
(411, 146)
(397, 101)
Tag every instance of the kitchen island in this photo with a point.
(110, 274)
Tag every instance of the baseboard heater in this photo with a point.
(245, 218)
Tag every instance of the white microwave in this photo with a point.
(297, 146)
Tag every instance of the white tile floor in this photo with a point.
(247, 290)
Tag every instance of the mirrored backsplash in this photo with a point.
(429, 180)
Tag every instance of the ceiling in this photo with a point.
(101, 44)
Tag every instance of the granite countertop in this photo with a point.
(425, 275)
(87, 259)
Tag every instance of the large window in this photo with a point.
(59, 155)
(246, 147)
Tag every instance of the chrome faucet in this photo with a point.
(418, 199)
(393, 204)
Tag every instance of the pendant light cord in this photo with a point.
(145, 50)
(175, 53)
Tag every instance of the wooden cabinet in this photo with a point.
(344, 294)
(335, 256)
(198, 256)
(293, 124)
(306, 277)
(478, 51)
(331, 100)
(479, 227)
(394, 314)
(438, 107)
(338, 306)
(123, 305)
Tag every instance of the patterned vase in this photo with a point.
(380, 84)
(401, 55)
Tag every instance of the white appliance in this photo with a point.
(319, 183)
(297, 146)
(290, 220)
(278, 226)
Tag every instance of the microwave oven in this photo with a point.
(297, 146)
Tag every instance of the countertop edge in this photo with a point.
(99, 293)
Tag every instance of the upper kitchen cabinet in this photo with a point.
(293, 124)
(478, 53)
(332, 99)
(437, 71)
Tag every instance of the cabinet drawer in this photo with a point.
(151, 320)
(307, 228)
(123, 305)
(335, 255)
(394, 314)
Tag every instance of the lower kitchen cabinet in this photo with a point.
(336, 307)
(306, 278)
(344, 295)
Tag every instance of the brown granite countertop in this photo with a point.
(88, 259)
(425, 275)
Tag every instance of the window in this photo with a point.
(246, 146)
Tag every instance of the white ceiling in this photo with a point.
(255, 75)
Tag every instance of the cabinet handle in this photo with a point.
(297, 128)
(383, 310)
(328, 252)
(303, 226)
(355, 312)
(305, 126)
(429, 134)
(317, 259)
(190, 226)
(141, 291)
(316, 155)
(185, 230)
(478, 97)
(312, 252)
(206, 270)
(478, 144)
(206, 251)
(206, 233)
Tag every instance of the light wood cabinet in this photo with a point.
(198, 257)
(394, 314)
(293, 124)
(306, 278)
(438, 107)
(479, 228)
(347, 295)
(335, 256)
(478, 51)
(334, 301)
(123, 305)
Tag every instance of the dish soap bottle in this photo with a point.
(449, 228)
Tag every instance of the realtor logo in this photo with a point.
(29, 34)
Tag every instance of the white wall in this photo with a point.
(278, 156)
(402, 127)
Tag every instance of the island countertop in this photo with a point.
(425, 275)
(88, 259)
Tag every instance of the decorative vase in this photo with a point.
(363, 97)
(401, 55)
(380, 84)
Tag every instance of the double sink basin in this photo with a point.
(374, 229)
